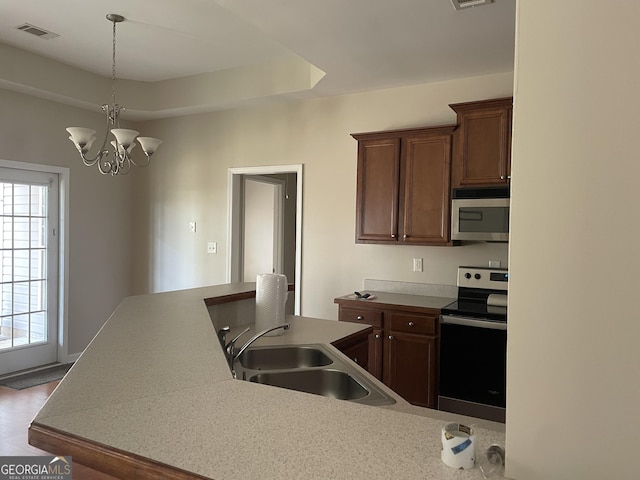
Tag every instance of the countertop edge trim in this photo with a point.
(105, 459)
(378, 305)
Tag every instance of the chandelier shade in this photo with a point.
(124, 137)
(119, 161)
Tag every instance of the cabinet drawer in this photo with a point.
(408, 323)
(370, 317)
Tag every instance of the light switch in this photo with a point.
(192, 227)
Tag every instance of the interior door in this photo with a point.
(263, 226)
(28, 269)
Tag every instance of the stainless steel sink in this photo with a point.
(312, 368)
(270, 358)
(329, 383)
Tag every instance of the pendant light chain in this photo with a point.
(113, 67)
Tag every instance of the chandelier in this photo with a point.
(119, 163)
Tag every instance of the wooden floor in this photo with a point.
(17, 409)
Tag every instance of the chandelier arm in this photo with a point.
(141, 165)
(105, 163)
(125, 165)
(90, 162)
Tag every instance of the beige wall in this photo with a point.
(32, 131)
(573, 392)
(130, 234)
(188, 181)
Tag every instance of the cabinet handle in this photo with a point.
(411, 324)
(359, 317)
(393, 235)
(355, 359)
(390, 337)
(404, 237)
(505, 177)
(377, 335)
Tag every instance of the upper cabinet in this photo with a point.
(403, 189)
(482, 143)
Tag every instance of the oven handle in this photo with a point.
(473, 322)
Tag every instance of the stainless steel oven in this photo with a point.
(473, 346)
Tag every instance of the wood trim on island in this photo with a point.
(235, 297)
(106, 459)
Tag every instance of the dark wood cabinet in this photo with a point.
(482, 143)
(410, 360)
(402, 348)
(410, 363)
(356, 347)
(403, 187)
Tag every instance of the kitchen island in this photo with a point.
(152, 397)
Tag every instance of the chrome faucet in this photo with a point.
(230, 348)
(232, 356)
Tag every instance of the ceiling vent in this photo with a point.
(37, 31)
(462, 4)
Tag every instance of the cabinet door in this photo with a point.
(426, 170)
(375, 362)
(410, 367)
(482, 148)
(358, 352)
(377, 190)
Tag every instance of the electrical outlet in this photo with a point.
(417, 264)
(212, 247)
(192, 227)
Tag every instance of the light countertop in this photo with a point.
(400, 300)
(154, 382)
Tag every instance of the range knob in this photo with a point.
(477, 276)
(467, 275)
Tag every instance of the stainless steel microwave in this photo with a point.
(480, 214)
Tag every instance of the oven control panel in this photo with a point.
(487, 278)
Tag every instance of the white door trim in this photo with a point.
(233, 221)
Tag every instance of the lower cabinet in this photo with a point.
(402, 348)
(409, 367)
(356, 347)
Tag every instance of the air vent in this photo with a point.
(462, 4)
(37, 31)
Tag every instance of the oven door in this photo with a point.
(473, 358)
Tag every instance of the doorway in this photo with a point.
(28, 269)
(265, 224)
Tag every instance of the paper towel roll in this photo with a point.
(458, 446)
(497, 300)
(271, 297)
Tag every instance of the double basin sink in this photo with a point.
(312, 368)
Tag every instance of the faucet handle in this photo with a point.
(222, 335)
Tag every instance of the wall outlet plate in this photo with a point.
(417, 264)
(212, 247)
